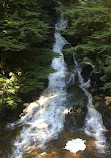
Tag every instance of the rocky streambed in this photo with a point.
(78, 103)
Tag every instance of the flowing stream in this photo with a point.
(44, 119)
(94, 124)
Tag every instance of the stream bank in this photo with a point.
(43, 123)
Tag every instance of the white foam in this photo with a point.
(94, 124)
(44, 118)
(75, 145)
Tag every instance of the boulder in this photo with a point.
(68, 58)
(103, 105)
(77, 101)
(86, 71)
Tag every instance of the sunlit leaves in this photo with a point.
(24, 57)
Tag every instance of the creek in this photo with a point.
(40, 130)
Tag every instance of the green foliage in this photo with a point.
(107, 74)
(89, 31)
(24, 55)
(8, 91)
(85, 21)
(21, 26)
(36, 70)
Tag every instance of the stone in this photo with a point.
(103, 105)
(77, 101)
(86, 71)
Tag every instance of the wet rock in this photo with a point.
(78, 102)
(76, 96)
(75, 119)
(103, 105)
(96, 83)
(66, 46)
(86, 71)
(68, 58)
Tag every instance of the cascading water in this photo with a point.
(44, 119)
(94, 124)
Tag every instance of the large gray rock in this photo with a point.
(78, 103)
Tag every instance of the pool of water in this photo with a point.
(55, 148)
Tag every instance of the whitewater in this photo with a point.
(44, 119)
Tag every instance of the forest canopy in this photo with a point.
(25, 28)
(26, 33)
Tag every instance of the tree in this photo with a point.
(89, 32)
(24, 54)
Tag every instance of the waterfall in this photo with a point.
(94, 124)
(44, 118)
